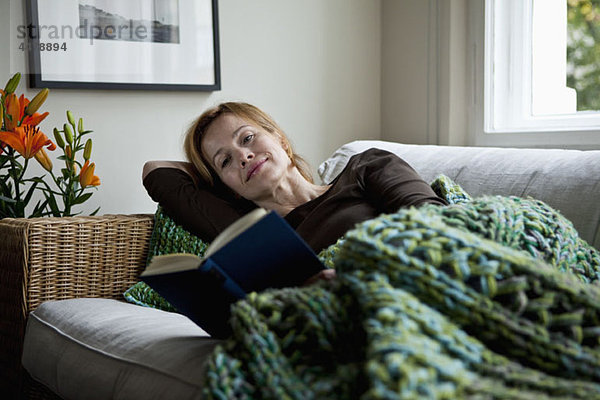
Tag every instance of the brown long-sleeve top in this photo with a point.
(373, 182)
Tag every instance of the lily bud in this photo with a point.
(71, 118)
(68, 133)
(68, 161)
(12, 83)
(87, 151)
(37, 101)
(80, 126)
(42, 157)
(87, 177)
(11, 102)
(59, 140)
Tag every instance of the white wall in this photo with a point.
(405, 71)
(425, 71)
(314, 65)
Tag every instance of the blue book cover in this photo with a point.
(266, 254)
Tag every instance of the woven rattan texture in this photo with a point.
(61, 258)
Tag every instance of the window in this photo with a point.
(541, 82)
(583, 52)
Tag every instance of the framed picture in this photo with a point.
(116, 44)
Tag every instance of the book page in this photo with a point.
(235, 229)
(175, 262)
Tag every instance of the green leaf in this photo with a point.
(81, 198)
(19, 210)
(11, 211)
(6, 187)
(49, 191)
(29, 193)
(65, 173)
(53, 206)
(95, 211)
(6, 212)
(17, 165)
(4, 160)
(7, 199)
(34, 177)
(38, 210)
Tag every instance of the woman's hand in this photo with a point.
(326, 275)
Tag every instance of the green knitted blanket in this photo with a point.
(491, 298)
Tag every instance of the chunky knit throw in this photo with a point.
(495, 297)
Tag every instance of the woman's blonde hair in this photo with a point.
(248, 112)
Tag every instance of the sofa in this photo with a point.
(68, 333)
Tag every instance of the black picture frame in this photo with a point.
(183, 54)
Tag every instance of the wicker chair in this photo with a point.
(61, 258)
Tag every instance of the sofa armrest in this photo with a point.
(60, 258)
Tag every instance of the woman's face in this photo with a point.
(246, 158)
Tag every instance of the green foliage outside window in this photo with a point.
(583, 52)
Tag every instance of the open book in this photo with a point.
(258, 251)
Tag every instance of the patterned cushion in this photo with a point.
(449, 190)
(167, 237)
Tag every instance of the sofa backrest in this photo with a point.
(568, 180)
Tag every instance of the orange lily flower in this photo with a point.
(18, 140)
(27, 140)
(15, 108)
(87, 177)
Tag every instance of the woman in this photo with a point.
(242, 159)
(239, 145)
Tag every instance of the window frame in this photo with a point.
(579, 130)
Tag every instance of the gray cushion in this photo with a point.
(568, 180)
(107, 349)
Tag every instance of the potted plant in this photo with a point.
(22, 139)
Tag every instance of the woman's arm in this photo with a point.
(392, 183)
(150, 166)
(198, 207)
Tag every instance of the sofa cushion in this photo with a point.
(102, 348)
(568, 180)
